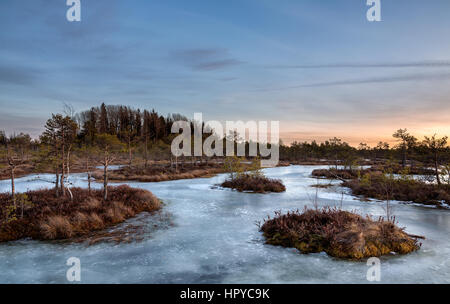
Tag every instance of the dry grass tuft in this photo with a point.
(56, 227)
(91, 203)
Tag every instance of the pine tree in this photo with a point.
(104, 124)
(60, 133)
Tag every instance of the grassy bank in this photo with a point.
(385, 187)
(342, 174)
(47, 217)
(375, 183)
(339, 233)
(345, 174)
(161, 172)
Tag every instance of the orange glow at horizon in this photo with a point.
(360, 135)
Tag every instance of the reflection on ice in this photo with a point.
(215, 240)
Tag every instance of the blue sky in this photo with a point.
(319, 67)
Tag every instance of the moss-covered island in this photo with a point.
(340, 234)
(249, 177)
(251, 183)
(43, 215)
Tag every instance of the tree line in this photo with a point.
(102, 134)
(408, 151)
(96, 136)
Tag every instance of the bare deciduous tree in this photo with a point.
(108, 146)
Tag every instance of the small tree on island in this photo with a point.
(13, 154)
(407, 142)
(234, 166)
(109, 146)
(435, 146)
(255, 169)
(87, 151)
(59, 134)
(386, 182)
(48, 158)
(129, 135)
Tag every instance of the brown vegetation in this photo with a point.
(385, 187)
(49, 217)
(345, 174)
(342, 174)
(417, 169)
(339, 233)
(160, 172)
(254, 183)
(20, 171)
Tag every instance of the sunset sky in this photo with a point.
(319, 67)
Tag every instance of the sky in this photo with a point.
(319, 67)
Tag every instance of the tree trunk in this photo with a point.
(68, 173)
(146, 152)
(57, 182)
(129, 153)
(13, 187)
(404, 158)
(68, 164)
(89, 183)
(105, 180)
(436, 169)
(70, 193)
(61, 183)
(89, 175)
(63, 190)
(63, 157)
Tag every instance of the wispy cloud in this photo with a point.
(417, 64)
(205, 59)
(17, 75)
(387, 79)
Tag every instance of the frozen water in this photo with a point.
(215, 240)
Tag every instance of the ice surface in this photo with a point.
(215, 240)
